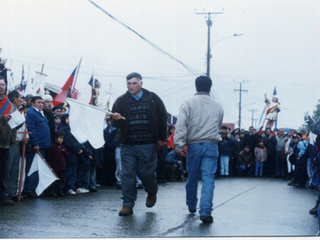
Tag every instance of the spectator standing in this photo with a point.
(260, 153)
(7, 138)
(47, 110)
(143, 131)
(270, 141)
(74, 149)
(225, 149)
(279, 164)
(13, 163)
(199, 120)
(56, 159)
(236, 149)
(289, 152)
(37, 123)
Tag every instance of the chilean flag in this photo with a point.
(86, 94)
(22, 86)
(62, 96)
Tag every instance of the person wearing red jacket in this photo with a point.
(56, 159)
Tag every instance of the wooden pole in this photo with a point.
(47, 164)
(25, 132)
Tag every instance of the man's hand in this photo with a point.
(80, 151)
(25, 140)
(90, 158)
(7, 117)
(116, 116)
(181, 153)
(298, 158)
(160, 144)
(36, 149)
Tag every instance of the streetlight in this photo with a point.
(234, 35)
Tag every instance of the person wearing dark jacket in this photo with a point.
(47, 110)
(270, 142)
(143, 131)
(225, 150)
(56, 159)
(300, 147)
(245, 162)
(74, 149)
(40, 141)
(236, 149)
(84, 164)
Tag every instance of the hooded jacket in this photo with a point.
(69, 141)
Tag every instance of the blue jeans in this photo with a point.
(91, 177)
(259, 169)
(201, 156)
(71, 177)
(242, 169)
(224, 165)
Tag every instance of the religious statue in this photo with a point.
(272, 109)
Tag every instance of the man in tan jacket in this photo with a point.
(198, 125)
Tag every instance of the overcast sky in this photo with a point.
(279, 47)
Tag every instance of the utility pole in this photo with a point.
(209, 24)
(252, 110)
(240, 93)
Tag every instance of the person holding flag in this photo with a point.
(7, 138)
(272, 109)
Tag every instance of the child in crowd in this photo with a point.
(260, 153)
(56, 120)
(226, 153)
(74, 149)
(56, 159)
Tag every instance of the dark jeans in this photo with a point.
(138, 160)
(71, 177)
(279, 165)
(243, 170)
(269, 165)
(32, 182)
(4, 154)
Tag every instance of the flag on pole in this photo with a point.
(86, 122)
(46, 176)
(62, 96)
(21, 88)
(86, 94)
(274, 91)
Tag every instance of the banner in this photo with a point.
(86, 122)
(46, 177)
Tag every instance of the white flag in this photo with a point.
(46, 177)
(86, 122)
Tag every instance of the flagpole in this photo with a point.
(47, 164)
(25, 132)
(75, 80)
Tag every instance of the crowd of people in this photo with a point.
(81, 168)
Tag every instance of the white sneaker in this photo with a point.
(71, 192)
(82, 190)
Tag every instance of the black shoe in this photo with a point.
(192, 210)
(292, 183)
(314, 211)
(60, 194)
(206, 219)
(32, 195)
(93, 190)
(140, 186)
(6, 202)
(52, 194)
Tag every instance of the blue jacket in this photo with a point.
(38, 125)
(270, 144)
(226, 148)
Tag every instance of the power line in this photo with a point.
(146, 40)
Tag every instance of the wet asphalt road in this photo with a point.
(242, 207)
